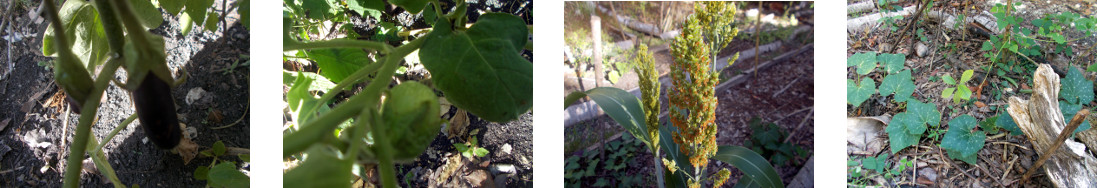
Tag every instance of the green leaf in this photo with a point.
(301, 101)
(339, 63)
(319, 83)
(966, 76)
(620, 105)
(211, 22)
(602, 182)
(878, 163)
(963, 92)
(752, 165)
(185, 24)
(85, 33)
(149, 16)
(321, 168)
(172, 6)
(960, 141)
(197, 10)
(480, 152)
(924, 113)
(865, 62)
(856, 94)
(461, 147)
(948, 92)
(245, 157)
(370, 8)
(989, 125)
(1069, 110)
(1058, 38)
(1005, 121)
(1075, 88)
(892, 62)
(899, 136)
(226, 175)
(900, 84)
(948, 80)
(674, 155)
(412, 6)
(480, 70)
(218, 148)
(201, 173)
(245, 12)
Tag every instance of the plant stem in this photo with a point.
(658, 168)
(112, 29)
(110, 136)
(101, 162)
(384, 152)
(83, 130)
(339, 43)
(353, 78)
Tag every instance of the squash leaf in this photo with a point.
(892, 62)
(857, 94)
(865, 62)
(960, 141)
(900, 84)
(1075, 88)
(899, 132)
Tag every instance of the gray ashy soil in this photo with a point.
(30, 113)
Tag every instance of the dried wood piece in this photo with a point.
(1041, 121)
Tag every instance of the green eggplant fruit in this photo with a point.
(411, 115)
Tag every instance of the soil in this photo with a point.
(31, 116)
(784, 95)
(510, 144)
(1013, 153)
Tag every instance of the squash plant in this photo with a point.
(689, 142)
(113, 34)
(477, 68)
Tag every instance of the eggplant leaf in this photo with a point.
(480, 69)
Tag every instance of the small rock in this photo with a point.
(506, 149)
(921, 49)
(194, 95)
(523, 162)
(929, 173)
(191, 131)
(36, 139)
(503, 169)
(145, 140)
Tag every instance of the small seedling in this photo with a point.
(470, 149)
(957, 89)
(221, 173)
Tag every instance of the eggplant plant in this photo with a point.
(477, 68)
(108, 35)
(690, 139)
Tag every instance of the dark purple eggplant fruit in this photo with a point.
(156, 110)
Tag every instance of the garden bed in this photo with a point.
(216, 63)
